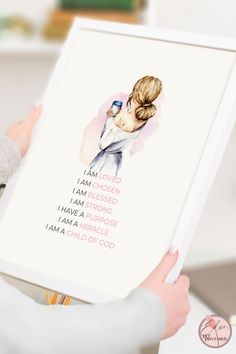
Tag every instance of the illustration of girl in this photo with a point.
(123, 125)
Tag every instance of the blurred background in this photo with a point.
(31, 37)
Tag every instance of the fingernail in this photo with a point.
(173, 249)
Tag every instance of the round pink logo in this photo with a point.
(214, 331)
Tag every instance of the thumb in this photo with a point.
(32, 117)
(166, 264)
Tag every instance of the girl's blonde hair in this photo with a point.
(145, 91)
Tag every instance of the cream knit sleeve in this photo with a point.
(124, 326)
(9, 159)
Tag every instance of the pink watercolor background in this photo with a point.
(89, 147)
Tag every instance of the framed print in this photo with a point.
(134, 124)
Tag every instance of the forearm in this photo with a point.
(118, 327)
(9, 159)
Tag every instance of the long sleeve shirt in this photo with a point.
(125, 326)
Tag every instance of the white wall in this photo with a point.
(22, 83)
(210, 16)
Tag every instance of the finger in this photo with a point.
(166, 264)
(183, 281)
(33, 116)
(13, 127)
(17, 124)
(35, 113)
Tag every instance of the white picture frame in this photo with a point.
(206, 169)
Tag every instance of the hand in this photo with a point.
(20, 132)
(174, 296)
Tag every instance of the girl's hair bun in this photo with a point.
(145, 112)
(145, 91)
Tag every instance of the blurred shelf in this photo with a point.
(29, 46)
(37, 45)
